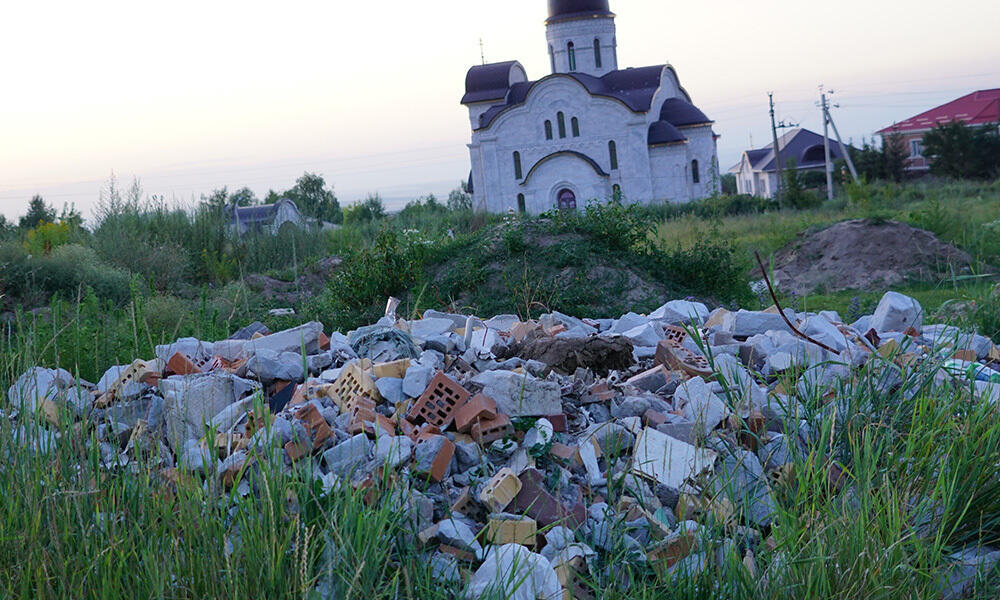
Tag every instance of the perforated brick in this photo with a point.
(674, 335)
(396, 368)
(438, 403)
(315, 424)
(479, 406)
(486, 431)
(680, 358)
(352, 383)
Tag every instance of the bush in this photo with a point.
(617, 226)
(46, 237)
(709, 268)
(72, 268)
(357, 294)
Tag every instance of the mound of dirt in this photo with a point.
(864, 255)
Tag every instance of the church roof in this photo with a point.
(634, 88)
(562, 10)
(662, 132)
(682, 113)
(488, 82)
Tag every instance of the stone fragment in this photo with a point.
(897, 313)
(392, 450)
(700, 405)
(347, 456)
(191, 402)
(304, 337)
(668, 460)
(520, 395)
(513, 572)
(432, 457)
(269, 365)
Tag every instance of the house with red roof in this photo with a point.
(977, 109)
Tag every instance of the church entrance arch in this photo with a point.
(567, 199)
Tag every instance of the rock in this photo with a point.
(197, 458)
(391, 389)
(148, 409)
(513, 572)
(612, 438)
(565, 355)
(897, 312)
(456, 533)
(344, 458)
(269, 365)
(959, 578)
(700, 405)
(645, 336)
(521, 395)
(741, 477)
(429, 327)
(392, 450)
(192, 401)
(290, 340)
(539, 437)
(416, 380)
(36, 385)
(745, 323)
(667, 460)
(130, 391)
(193, 348)
(676, 312)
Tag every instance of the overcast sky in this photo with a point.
(195, 95)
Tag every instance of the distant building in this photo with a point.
(977, 108)
(588, 130)
(266, 218)
(757, 171)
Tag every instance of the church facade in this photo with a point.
(587, 131)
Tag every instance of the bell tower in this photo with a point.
(581, 36)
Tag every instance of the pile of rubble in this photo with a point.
(524, 446)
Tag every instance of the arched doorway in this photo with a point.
(567, 199)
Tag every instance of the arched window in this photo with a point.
(597, 53)
(517, 165)
(695, 175)
(520, 204)
(616, 192)
(575, 125)
(552, 57)
(572, 56)
(548, 130)
(613, 153)
(561, 118)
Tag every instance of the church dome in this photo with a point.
(572, 9)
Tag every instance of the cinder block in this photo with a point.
(479, 406)
(500, 490)
(460, 503)
(486, 431)
(396, 368)
(439, 402)
(512, 531)
(180, 364)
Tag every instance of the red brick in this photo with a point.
(480, 406)
(558, 422)
(180, 364)
(316, 425)
(536, 502)
(678, 358)
(298, 449)
(486, 431)
(439, 466)
(439, 402)
(324, 341)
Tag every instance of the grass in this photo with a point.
(921, 483)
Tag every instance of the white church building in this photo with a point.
(587, 131)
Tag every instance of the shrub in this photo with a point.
(709, 268)
(72, 268)
(617, 226)
(46, 237)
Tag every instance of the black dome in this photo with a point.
(563, 9)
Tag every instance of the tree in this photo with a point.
(459, 199)
(894, 154)
(71, 217)
(38, 212)
(313, 198)
(217, 201)
(243, 197)
(963, 152)
(729, 187)
(366, 211)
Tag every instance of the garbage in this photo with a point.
(563, 435)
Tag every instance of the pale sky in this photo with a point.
(195, 95)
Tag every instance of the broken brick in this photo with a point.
(439, 402)
(679, 358)
(559, 422)
(296, 449)
(180, 364)
(486, 431)
(651, 380)
(324, 341)
(479, 406)
(315, 424)
(500, 490)
(653, 418)
(442, 460)
(567, 454)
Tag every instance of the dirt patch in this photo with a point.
(864, 255)
(310, 282)
(599, 354)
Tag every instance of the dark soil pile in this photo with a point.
(864, 255)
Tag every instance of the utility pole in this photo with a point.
(843, 149)
(482, 51)
(777, 152)
(826, 144)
